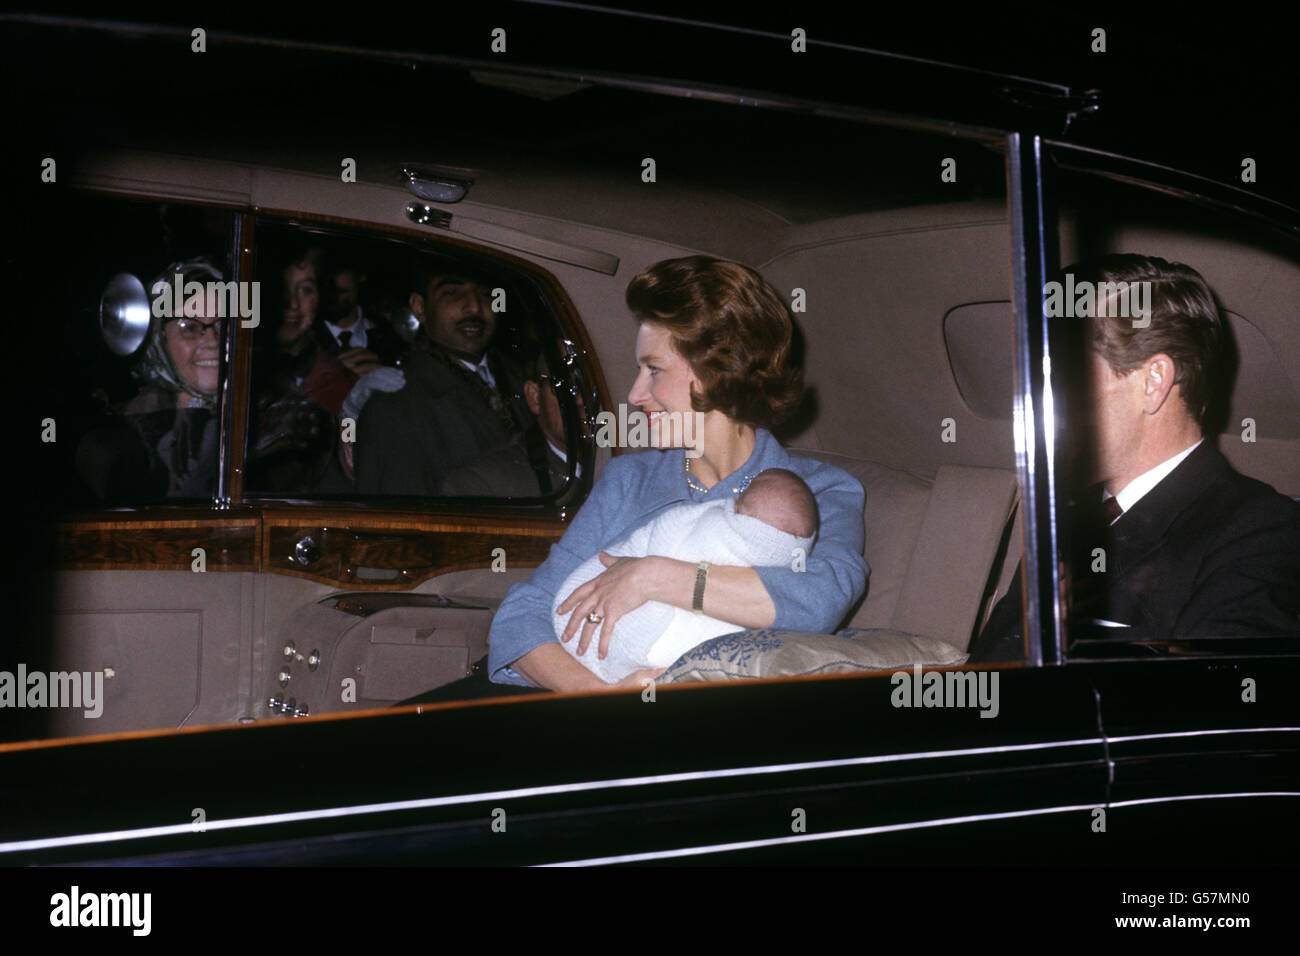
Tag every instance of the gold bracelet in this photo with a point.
(701, 575)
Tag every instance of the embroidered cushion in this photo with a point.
(748, 655)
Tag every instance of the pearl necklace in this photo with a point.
(696, 486)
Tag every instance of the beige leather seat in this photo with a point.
(931, 544)
(935, 550)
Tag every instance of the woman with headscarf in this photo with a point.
(166, 440)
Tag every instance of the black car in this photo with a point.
(252, 617)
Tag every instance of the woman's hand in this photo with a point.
(641, 677)
(624, 585)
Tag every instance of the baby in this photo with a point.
(762, 527)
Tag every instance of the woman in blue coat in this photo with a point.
(713, 338)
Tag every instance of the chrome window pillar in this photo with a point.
(225, 404)
(1037, 414)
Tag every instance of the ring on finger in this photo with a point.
(595, 618)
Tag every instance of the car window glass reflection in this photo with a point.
(389, 372)
(142, 411)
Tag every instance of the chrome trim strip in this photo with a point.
(1168, 179)
(229, 348)
(590, 785)
(156, 29)
(1035, 421)
(640, 83)
(1203, 733)
(427, 802)
(896, 827)
(828, 44)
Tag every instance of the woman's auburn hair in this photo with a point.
(733, 329)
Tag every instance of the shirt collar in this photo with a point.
(577, 469)
(1133, 492)
(360, 325)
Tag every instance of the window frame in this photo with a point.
(1249, 208)
(551, 295)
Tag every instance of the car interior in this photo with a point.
(316, 599)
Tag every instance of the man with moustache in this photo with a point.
(1193, 550)
(460, 400)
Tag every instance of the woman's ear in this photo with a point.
(533, 397)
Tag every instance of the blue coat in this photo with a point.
(635, 487)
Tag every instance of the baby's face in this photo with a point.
(781, 501)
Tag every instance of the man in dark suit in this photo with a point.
(1172, 544)
(347, 332)
(461, 399)
(537, 464)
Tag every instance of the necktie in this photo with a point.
(1110, 510)
(344, 338)
(494, 397)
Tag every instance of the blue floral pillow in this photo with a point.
(767, 652)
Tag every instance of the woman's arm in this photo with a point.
(550, 665)
(816, 599)
(733, 594)
(812, 595)
(523, 622)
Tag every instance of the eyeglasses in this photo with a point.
(194, 329)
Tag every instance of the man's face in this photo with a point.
(346, 296)
(457, 314)
(542, 402)
(301, 300)
(542, 395)
(1117, 410)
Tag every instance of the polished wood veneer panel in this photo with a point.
(229, 544)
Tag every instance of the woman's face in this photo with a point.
(663, 384)
(197, 359)
(301, 300)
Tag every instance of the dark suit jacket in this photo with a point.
(380, 339)
(1206, 553)
(508, 472)
(408, 441)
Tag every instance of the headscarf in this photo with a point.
(155, 366)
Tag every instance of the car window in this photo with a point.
(416, 365)
(1197, 549)
(136, 354)
(390, 369)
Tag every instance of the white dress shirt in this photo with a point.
(1132, 493)
(358, 330)
(481, 370)
(564, 458)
